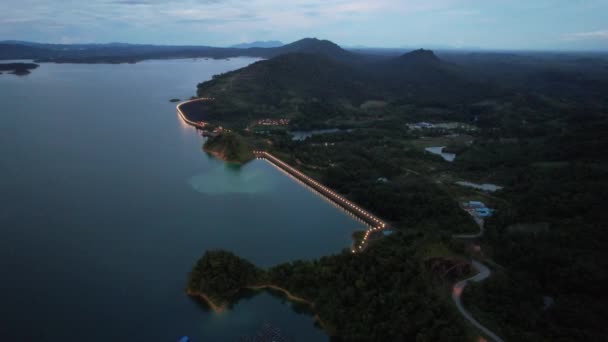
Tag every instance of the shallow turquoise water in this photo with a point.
(108, 200)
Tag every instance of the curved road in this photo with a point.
(484, 272)
(457, 290)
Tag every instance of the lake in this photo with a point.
(108, 200)
(438, 150)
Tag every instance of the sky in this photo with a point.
(487, 24)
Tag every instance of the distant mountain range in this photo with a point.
(258, 44)
(131, 53)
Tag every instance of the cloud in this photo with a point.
(487, 23)
(591, 35)
(131, 2)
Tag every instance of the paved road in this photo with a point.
(457, 290)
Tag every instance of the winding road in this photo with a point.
(484, 272)
(458, 288)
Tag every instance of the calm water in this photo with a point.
(438, 150)
(107, 201)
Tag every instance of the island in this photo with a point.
(19, 69)
(229, 147)
(173, 100)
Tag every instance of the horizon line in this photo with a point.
(435, 47)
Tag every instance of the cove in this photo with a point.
(108, 200)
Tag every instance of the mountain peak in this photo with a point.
(420, 56)
(317, 46)
(308, 43)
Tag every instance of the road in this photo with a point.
(484, 272)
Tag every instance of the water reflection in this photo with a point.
(110, 199)
(226, 178)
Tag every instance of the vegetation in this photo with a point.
(230, 147)
(220, 275)
(555, 274)
(535, 124)
(18, 68)
(383, 294)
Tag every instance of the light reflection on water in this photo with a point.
(107, 202)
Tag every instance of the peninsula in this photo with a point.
(18, 68)
(229, 147)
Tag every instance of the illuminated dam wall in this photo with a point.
(370, 219)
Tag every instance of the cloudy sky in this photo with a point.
(491, 24)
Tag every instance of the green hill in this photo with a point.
(286, 86)
(317, 88)
(229, 147)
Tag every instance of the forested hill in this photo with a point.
(417, 64)
(308, 75)
(319, 87)
(319, 47)
(282, 86)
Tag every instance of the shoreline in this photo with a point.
(219, 309)
(183, 116)
(220, 156)
(375, 223)
(214, 307)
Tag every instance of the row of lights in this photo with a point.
(380, 225)
(366, 237)
(316, 192)
(197, 124)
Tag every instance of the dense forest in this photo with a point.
(386, 293)
(536, 124)
(220, 275)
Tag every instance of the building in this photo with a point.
(475, 204)
(483, 212)
(477, 209)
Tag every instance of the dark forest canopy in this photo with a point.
(229, 147)
(18, 68)
(381, 295)
(538, 126)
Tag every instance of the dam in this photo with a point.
(374, 222)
